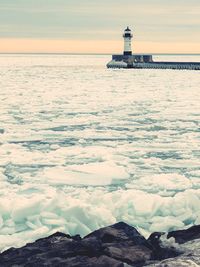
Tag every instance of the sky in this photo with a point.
(96, 26)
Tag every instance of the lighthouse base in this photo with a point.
(146, 62)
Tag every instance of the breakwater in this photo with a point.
(146, 62)
(128, 60)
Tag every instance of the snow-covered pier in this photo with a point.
(142, 61)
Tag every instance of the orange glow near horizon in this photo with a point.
(91, 46)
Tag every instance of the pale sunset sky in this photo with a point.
(96, 26)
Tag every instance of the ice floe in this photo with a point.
(83, 147)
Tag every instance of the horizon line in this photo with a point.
(102, 54)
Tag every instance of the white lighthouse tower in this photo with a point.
(127, 42)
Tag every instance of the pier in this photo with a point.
(127, 60)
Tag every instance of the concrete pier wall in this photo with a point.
(132, 58)
(168, 65)
(146, 62)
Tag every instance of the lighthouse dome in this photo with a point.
(127, 33)
(127, 29)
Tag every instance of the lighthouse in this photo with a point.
(127, 42)
(127, 60)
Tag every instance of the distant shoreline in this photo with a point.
(99, 54)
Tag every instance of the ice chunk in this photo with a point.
(160, 224)
(2, 176)
(25, 207)
(169, 242)
(20, 239)
(82, 228)
(53, 221)
(96, 174)
(197, 221)
(20, 227)
(146, 204)
(9, 223)
(54, 147)
(49, 215)
(31, 225)
(33, 217)
(1, 221)
(165, 182)
(5, 206)
(71, 228)
(7, 230)
(72, 210)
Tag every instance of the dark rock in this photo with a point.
(76, 237)
(129, 253)
(57, 245)
(78, 261)
(105, 261)
(119, 245)
(123, 242)
(119, 232)
(182, 236)
(161, 252)
(190, 256)
(187, 251)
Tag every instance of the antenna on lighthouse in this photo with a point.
(127, 42)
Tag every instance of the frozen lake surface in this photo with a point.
(82, 146)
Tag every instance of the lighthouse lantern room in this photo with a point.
(127, 42)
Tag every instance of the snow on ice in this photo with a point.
(83, 147)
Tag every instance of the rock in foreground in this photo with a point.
(118, 245)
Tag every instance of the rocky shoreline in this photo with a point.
(118, 245)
